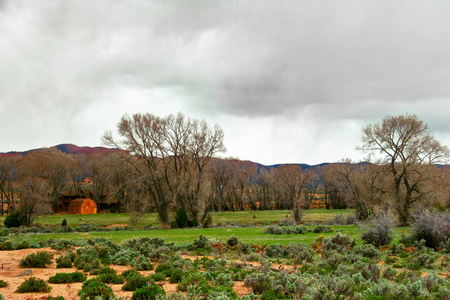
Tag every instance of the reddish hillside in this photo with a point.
(66, 148)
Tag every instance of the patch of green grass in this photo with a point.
(224, 218)
(249, 235)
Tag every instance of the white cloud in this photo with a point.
(287, 81)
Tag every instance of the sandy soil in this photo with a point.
(13, 274)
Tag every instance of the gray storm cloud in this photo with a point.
(339, 60)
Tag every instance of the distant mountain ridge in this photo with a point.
(66, 148)
(74, 149)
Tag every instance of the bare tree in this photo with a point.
(360, 185)
(50, 164)
(170, 156)
(7, 177)
(221, 185)
(99, 168)
(406, 146)
(34, 198)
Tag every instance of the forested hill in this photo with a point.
(74, 149)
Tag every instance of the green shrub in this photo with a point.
(223, 279)
(141, 263)
(93, 288)
(208, 221)
(148, 293)
(193, 279)
(64, 223)
(14, 219)
(300, 253)
(136, 281)
(272, 295)
(129, 273)
(259, 282)
(322, 228)
(67, 277)
(389, 273)
(367, 250)
(33, 285)
(64, 264)
(87, 259)
(3, 283)
(201, 243)
(108, 275)
(39, 260)
(6, 245)
(182, 220)
(55, 298)
(339, 242)
(275, 250)
(232, 241)
(176, 276)
(158, 277)
(63, 244)
(4, 232)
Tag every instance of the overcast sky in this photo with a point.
(288, 81)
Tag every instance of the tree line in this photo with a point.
(169, 164)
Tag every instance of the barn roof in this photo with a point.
(80, 202)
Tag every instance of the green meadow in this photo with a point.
(219, 218)
(248, 226)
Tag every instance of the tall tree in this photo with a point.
(35, 198)
(170, 156)
(8, 175)
(50, 164)
(406, 146)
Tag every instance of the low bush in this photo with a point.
(93, 288)
(3, 283)
(108, 275)
(272, 295)
(336, 220)
(322, 228)
(201, 243)
(286, 222)
(176, 276)
(273, 229)
(150, 292)
(14, 219)
(64, 264)
(158, 277)
(67, 277)
(39, 260)
(259, 282)
(367, 250)
(33, 285)
(4, 232)
(276, 251)
(433, 227)
(223, 279)
(136, 281)
(193, 279)
(380, 233)
(300, 253)
(339, 242)
(232, 241)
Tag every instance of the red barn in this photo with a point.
(82, 206)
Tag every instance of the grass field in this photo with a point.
(252, 235)
(219, 218)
